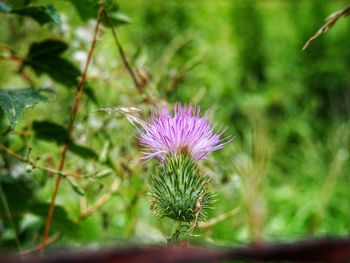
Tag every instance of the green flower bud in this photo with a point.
(180, 190)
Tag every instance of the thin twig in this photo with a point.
(131, 72)
(101, 201)
(13, 58)
(219, 218)
(330, 21)
(73, 114)
(49, 241)
(40, 167)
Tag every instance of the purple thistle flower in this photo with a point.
(184, 131)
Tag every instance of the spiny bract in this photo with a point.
(179, 190)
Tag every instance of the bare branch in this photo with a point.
(40, 167)
(101, 201)
(49, 241)
(127, 65)
(219, 218)
(330, 21)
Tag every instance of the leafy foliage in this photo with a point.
(60, 218)
(179, 190)
(41, 14)
(286, 175)
(46, 130)
(87, 9)
(20, 195)
(15, 102)
(46, 57)
(22, 199)
(49, 131)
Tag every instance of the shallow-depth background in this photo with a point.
(283, 177)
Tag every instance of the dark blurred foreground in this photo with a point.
(320, 250)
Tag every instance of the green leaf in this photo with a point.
(15, 102)
(41, 14)
(20, 193)
(88, 9)
(90, 93)
(83, 151)
(45, 57)
(117, 18)
(102, 174)
(75, 186)
(49, 131)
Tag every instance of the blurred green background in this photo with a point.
(284, 177)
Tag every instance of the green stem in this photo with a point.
(175, 236)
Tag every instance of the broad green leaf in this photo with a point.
(22, 199)
(45, 57)
(15, 102)
(19, 193)
(49, 131)
(85, 152)
(41, 14)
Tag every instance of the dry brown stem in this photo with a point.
(330, 21)
(218, 219)
(49, 241)
(127, 65)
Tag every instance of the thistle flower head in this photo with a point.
(183, 131)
